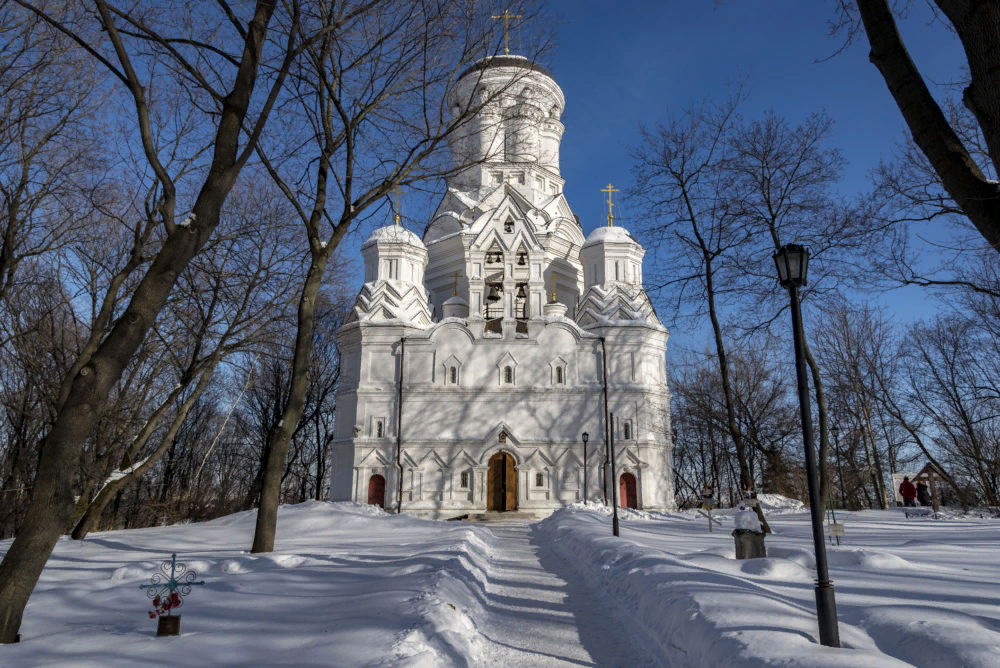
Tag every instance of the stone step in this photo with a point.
(494, 516)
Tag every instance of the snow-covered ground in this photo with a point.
(349, 585)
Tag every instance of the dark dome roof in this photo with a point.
(504, 61)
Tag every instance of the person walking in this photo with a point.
(908, 492)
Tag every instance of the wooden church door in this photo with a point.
(501, 483)
(376, 491)
(627, 496)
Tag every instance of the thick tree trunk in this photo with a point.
(978, 27)
(267, 512)
(49, 511)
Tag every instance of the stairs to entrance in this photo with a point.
(494, 516)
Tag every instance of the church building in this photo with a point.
(476, 358)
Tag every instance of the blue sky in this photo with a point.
(624, 64)
(642, 61)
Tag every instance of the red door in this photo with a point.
(627, 492)
(376, 491)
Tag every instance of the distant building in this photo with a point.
(499, 317)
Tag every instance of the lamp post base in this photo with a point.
(826, 607)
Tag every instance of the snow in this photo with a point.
(608, 234)
(393, 234)
(747, 519)
(933, 601)
(350, 585)
(187, 221)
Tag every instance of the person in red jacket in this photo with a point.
(908, 492)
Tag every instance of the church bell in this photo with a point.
(494, 295)
(521, 294)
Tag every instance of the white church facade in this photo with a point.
(475, 358)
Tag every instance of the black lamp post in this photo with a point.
(792, 261)
(586, 437)
(614, 477)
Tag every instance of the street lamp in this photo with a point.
(792, 261)
(586, 437)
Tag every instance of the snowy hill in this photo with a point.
(350, 585)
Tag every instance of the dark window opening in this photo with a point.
(539, 480)
(508, 375)
(465, 479)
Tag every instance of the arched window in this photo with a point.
(508, 227)
(539, 480)
(453, 375)
(379, 429)
(628, 430)
(508, 374)
(559, 375)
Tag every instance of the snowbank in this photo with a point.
(347, 585)
(711, 618)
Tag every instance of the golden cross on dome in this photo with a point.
(553, 289)
(611, 216)
(397, 191)
(506, 16)
(456, 284)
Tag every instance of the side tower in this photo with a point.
(615, 308)
(391, 304)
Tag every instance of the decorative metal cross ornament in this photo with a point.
(171, 585)
(506, 16)
(397, 191)
(609, 190)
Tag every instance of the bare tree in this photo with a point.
(693, 228)
(221, 66)
(375, 104)
(48, 165)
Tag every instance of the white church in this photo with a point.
(476, 358)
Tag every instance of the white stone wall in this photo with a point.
(451, 428)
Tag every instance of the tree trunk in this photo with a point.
(823, 455)
(746, 479)
(959, 174)
(267, 512)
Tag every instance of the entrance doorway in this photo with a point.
(501, 483)
(627, 496)
(376, 491)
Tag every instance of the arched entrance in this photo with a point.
(376, 491)
(501, 483)
(627, 496)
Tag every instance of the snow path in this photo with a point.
(540, 612)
